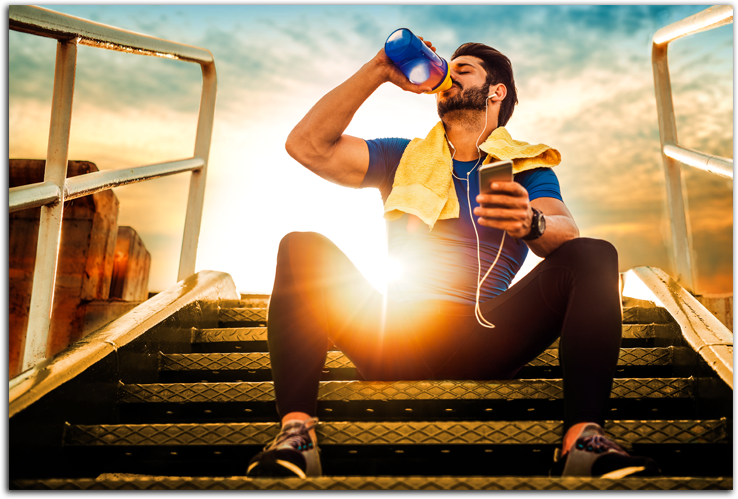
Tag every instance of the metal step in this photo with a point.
(633, 335)
(336, 360)
(535, 399)
(445, 435)
(449, 391)
(626, 433)
(437, 448)
(142, 482)
(631, 315)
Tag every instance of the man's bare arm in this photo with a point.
(318, 141)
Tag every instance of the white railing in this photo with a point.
(673, 154)
(51, 194)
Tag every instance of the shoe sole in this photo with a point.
(278, 468)
(621, 473)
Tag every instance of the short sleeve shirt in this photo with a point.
(441, 264)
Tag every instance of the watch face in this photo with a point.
(541, 224)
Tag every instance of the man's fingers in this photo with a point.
(492, 200)
(509, 188)
(430, 45)
(500, 213)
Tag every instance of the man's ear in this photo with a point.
(498, 92)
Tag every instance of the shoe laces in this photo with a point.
(598, 444)
(294, 435)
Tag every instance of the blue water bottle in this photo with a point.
(417, 61)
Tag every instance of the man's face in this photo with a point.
(469, 91)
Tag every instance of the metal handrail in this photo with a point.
(50, 194)
(673, 154)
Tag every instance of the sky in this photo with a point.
(585, 87)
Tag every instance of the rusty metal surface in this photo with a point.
(84, 185)
(45, 22)
(33, 195)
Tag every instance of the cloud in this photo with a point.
(583, 72)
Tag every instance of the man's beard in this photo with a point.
(471, 99)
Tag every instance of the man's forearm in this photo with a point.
(559, 229)
(323, 125)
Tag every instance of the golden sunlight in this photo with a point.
(635, 288)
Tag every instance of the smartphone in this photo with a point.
(501, 171)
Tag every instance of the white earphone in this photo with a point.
(477, 311)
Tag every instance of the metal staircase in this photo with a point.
(177, 393)
(185, 407)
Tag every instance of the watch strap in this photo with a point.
(535, 226)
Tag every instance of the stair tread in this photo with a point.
(397, 433)
(546, 389)
(336, 360)
(238, 334)
(143, 482)
(631, 315)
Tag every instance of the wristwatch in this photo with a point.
(537, 226)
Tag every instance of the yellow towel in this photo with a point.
(423, 185)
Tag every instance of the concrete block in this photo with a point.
(130, 280)
(85, 264)
(720, 305)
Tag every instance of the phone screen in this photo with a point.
(500, 171)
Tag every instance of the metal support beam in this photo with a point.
(681, 237)
(49, 231)
(196, 197)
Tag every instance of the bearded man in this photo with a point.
(428, 326)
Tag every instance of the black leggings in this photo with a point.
(320, 298)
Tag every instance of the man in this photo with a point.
(426, 328)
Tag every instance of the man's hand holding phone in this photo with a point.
(504, 204)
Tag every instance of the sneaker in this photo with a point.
(594, 455)
(292, 454)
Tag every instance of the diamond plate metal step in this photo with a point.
(397, 433)
(337, 360)
(520, 416)
(242, 316)
(544, 389)
(142, 482)
(631, 315)
(216, 335)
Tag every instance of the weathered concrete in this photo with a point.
(130, 281)
(85, 263)
(721, 306)
(193, 300)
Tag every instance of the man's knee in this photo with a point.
(590, 255)
(302, 241)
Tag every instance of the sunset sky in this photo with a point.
(585, 87)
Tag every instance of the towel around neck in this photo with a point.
(423, 185)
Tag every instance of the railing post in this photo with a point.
(49, 230)
(667, 127)
(196, 195)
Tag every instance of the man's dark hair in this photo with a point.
(499, 70)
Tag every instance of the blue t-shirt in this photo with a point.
(442, 264)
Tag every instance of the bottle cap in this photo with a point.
(445, 84)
